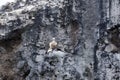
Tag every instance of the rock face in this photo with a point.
(87, 32)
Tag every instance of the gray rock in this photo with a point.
(20, 64)
(2, 50)
(110, 48)
(39, 58)
(87, 32)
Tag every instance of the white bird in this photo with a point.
(52, 45)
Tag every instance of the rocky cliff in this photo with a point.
(87, 32)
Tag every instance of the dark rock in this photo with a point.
(87, 32)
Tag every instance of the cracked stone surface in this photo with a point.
(87, 32)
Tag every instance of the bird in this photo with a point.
(52, 45)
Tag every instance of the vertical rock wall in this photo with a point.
(87, 33)
(107, 53)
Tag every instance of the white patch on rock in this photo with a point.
(106, 41)
(43, 2)
(22, 4)
(24, 0)
(2, 33)
(117, 56)
(58, 53)
(29, 7)
(3, 2)
(18, 11)
(39, 58)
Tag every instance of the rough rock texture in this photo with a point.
(87, 32)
